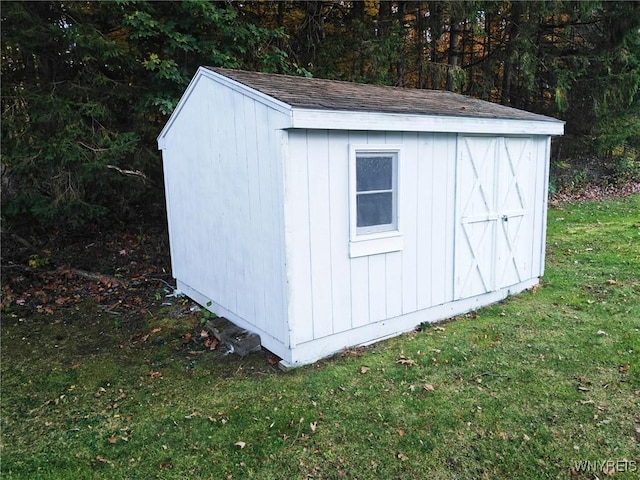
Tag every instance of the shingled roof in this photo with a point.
(314, 93)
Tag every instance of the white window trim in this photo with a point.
(362, 244)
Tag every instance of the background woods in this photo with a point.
(88, 85)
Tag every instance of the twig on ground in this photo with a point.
(100, 277)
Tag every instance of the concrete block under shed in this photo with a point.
(236, 339)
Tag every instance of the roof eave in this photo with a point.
(306, 118)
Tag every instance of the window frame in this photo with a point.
(375, 239)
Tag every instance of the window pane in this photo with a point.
(375, 209)
(374, 173)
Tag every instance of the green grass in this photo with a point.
(522, 389)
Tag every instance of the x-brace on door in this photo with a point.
(492, 210)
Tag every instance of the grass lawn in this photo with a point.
(528, 388)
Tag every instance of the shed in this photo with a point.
(323, 214)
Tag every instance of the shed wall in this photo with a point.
(333, 293)
(224, 185)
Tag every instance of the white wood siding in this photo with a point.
(225, 202)
(332, 293)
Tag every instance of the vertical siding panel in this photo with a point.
(242, 224)
(393, 287)
(544, 158)
(282, 154)
(230, 202)
(450, 152)
(252, 268)
(526, 184)
(211, 204)
(377, 288)
(275, 304)
(320, 231)
(300, 286)
(442, 217)
(182, 178)
(409, 221)
(339, 215)
(539, 198)
(528, 177)
(359, 291)
(264, 254)
(427, 201)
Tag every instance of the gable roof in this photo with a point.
(312, 103)
(320, 94)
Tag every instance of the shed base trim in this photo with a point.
(309, 352)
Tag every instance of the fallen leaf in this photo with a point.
(165, 465)
(526, 437)
(211, 343)
(112, 439)
(313, 426)
(156, 330)
(624, 368)
(428, 387)
(407, 362)
(438, 328)
(402, 456)
(100, 458)
(187, 338)
(364, 369)
(401, 433)
(241, 445)
(503, 435)
(155, 374)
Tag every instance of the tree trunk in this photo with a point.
(454, 44)
(511, 38)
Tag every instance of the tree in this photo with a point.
(87, 86)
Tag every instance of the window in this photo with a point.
(374, 199)
(376, 192)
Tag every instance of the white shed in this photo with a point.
(322, 214)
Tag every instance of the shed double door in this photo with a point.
(493, 224)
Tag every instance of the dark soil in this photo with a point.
(124, 271)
